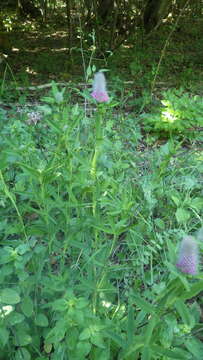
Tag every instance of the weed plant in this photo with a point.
(87, 258)
(180, 113)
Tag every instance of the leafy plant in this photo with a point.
(86, 257)
(180, 114)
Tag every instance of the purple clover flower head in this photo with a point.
(99, 92)
(188, 256)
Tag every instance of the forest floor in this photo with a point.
(40, 56)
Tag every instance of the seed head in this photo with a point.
(188, 256)
(99, 92)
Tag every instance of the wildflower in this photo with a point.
(99, 92)
(188, 256)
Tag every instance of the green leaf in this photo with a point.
(6, 270)
(184, 313)
(59, 97)
(171, 286)
(83, 348)
(23, 248)
(195, 308)
(85, 334)
(197, 203)
(173, 269)
(195, 347)
(194, 290)
(15, 318)
(97, 340)
(138, 343)
(72, 339)
(46, 109)
(146, 353)
(81, 303)
(59, 305)
(139, 318)
(9, 296)
(160, 223)
(79, 317)
(116, 338)
(169, 295)
(172, 297)
(177, 354)
(176, 200)
(75, 111)
(4, 336)
(182, 215)
(143, 304)
(150, 327)
(6, 255)
(22, 354)
(31, 171)
(54, 126)
(22, 338)
(27, 306)
(167, 333)
(22, 274)
(56, 334)
(130, 324)
(41, 320)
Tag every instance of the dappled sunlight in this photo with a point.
(106, 304)
(60, 50)
(15, 50)
(30, 71)
(5, 310)
(167, 116)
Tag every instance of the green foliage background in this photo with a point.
(94, 199)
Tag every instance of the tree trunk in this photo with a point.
(28, 8)
(68, 16)
(105, 9)
(154, 13)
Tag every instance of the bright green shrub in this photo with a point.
(179, 113)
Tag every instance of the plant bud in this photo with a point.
(99, 92)
(188, 256)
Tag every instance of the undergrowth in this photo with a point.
(180, 113)
(88, 247)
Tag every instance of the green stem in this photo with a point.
(97, 151)
(12, 199)
(99, 139)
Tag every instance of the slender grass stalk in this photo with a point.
(11, 198)
(95, 188)
(4, 77)
(163, 51)
(97, 150)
